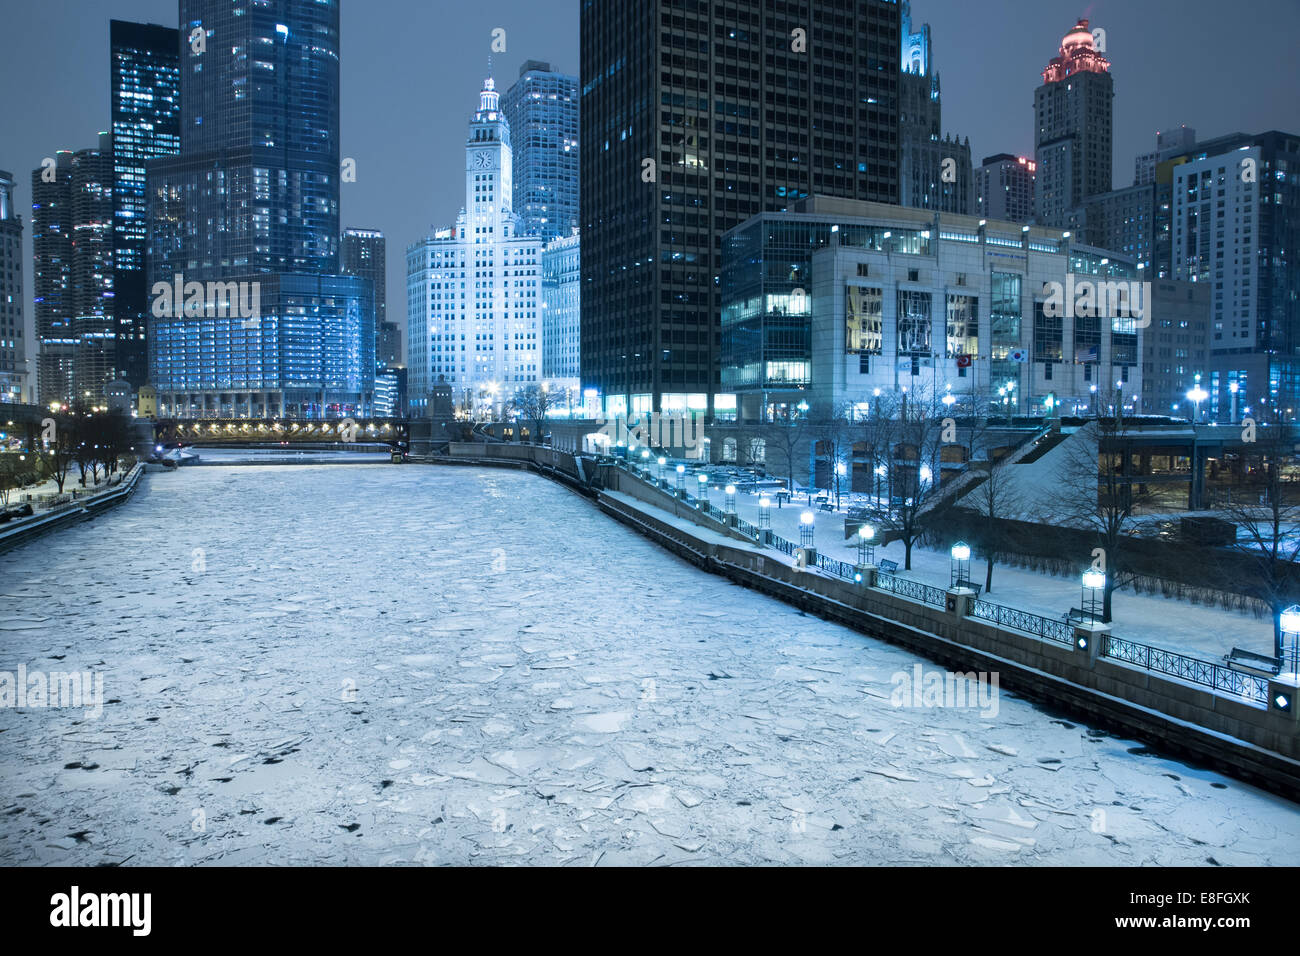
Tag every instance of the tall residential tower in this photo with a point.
(1072, 139)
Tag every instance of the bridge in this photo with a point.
(394, 432)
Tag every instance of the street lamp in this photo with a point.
(765, 513)
(866, 544)
(1197, 395)
(681, 477)
(960, 565)
(840, 472)
(807, 528)
(704, 489)
(1094, 584)
(1234, 387)
(729, 499)
(1289, 624)
(645, 461)
(662, 461)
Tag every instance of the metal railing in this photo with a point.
(838, 568)
(1248, 687)
(915, 590)
(1047, 628)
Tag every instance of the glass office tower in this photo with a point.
(144, 84)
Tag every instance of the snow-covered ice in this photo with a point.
(374, 665)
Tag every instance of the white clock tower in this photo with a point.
(489, 173)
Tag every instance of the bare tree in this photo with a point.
(56, 449)
(833, 434)
(788, 436)
(913, 440)
(1267, 514)
(1100, 492)
(995, 499)
(532, 405)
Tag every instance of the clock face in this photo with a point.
(483, 161)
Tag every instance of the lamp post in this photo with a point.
(1093, 391)
(1234, 388)
(764, 513)
(645, 461)
(661, 462)
(1289, 624)
(729, 499)
(681, 477)
(840, 471)
(807, 529)
(1197, 395)
(704, 490)
(960, 565)
(1094, 586)
(866, 544)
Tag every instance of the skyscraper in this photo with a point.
(365, 254)
(934, 169)
(542, 110)
(1072, 140)
(1004, 188)
(72, 248)
(693, 120)
(1234, 223)
(144, 84)
(1169, 143)
(251, 205)
(473, 291)
(13, 350)
(562, 316)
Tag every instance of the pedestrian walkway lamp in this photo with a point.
(840, 471)
(1196, 396)
(645, 461)
(681, 477)
(729, 502)
(704, 489)
(1094, 588)
(960, 565)
(765, 513)
(662, 461)
(807, 522)
(1290, 627)
(866, 544)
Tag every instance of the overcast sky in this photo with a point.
(412, 70)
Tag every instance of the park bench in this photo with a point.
(1251, 663)
(1077, 615)
(889, 567)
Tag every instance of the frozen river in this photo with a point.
(369, 665)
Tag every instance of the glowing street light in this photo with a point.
(1094, 586)
(866, 544)
(662, 461)
(1197, 395)
(807, 529)
(681, 477)
(1289, 624)
(960, 564)
(729, 499)
(704, 489)
(765, 513)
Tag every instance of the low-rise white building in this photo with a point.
(840, 301)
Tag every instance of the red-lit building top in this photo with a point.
(1078, 55)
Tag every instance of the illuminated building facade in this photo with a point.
(1072, 112)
